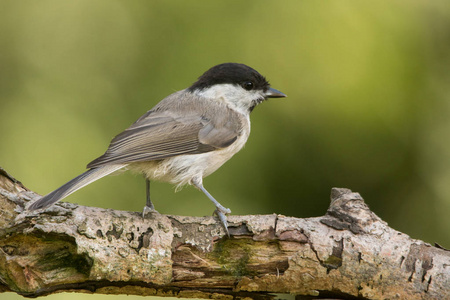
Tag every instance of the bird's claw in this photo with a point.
(221, 213)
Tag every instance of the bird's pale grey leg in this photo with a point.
(219, 206)
(149, 207)
(220, 210)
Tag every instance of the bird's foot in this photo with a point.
(148, 210)
(221, 213)
(222, 209)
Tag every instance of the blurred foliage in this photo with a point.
(367, 108)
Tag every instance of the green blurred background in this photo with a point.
(368, 101)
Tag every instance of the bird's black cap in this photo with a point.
(232, 73)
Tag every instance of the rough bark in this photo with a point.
(349, 252)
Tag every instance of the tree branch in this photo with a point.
(347, 253)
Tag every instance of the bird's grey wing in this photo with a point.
(161, 134)
(222, 132)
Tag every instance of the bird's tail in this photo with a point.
(74, 185)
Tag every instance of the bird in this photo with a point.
(184, 138)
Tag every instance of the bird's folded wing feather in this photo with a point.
(161, 134)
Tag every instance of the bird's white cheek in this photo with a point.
(244, 100)
(234, 96)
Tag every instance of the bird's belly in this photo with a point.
(181, 169)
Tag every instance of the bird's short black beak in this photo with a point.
(273, 93)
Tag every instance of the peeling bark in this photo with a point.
(347, 253)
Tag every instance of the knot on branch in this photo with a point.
(348, 211)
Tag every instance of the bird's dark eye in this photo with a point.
(248, 85)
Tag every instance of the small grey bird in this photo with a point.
(185, 137)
